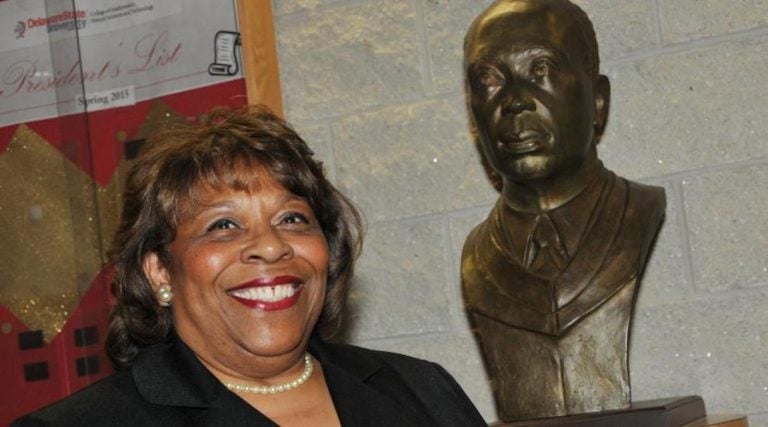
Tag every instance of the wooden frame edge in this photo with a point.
(259, 52)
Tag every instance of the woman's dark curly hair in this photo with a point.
(221, 153)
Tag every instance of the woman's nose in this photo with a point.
(267, 246)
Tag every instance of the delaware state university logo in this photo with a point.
(20, 29)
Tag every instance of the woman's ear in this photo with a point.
(158, 276)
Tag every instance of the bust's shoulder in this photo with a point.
(646, 204)
(480, 232)
(647, 193)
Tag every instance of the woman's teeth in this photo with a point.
(266, 293)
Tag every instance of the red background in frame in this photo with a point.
(99, 129)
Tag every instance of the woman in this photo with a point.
(233, 257)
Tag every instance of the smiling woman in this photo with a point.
(233, 259)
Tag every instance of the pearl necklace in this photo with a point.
(274, 389)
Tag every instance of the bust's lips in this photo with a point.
(525, 141)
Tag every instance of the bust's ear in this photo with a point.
(155, 271)
(602, 104)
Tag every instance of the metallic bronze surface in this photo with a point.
(550, 277)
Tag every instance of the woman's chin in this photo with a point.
(275, 341)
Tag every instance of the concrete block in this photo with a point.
(728, 228)
(711, 348)
(682, 111)
(683, 20)
(400, 283)
(282, 7)
(731, 352)
(446, 23)
(622, 26)
(663, 352)
(665, 277)
(318, 138)
(341, 59)
(410, 160)
(459, 355)
(759, 420)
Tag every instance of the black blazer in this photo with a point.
(168, 386)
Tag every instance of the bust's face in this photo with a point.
(530, 94)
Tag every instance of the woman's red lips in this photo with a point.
(268, 293)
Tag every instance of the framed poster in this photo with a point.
(82, 83)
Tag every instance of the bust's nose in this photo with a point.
(516, 101)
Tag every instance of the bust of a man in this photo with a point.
(550, 277)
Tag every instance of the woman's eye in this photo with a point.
(294, 218)
(222, 224)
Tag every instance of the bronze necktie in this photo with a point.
(545, 255)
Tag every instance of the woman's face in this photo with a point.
(248, 274)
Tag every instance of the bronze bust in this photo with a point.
(550, 277)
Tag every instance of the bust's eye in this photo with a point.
(489, 80)
(222, 224)
(542, 68)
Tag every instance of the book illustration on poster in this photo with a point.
(225, 55)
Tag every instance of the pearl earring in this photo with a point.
(164, 295)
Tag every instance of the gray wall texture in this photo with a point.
(375, 86)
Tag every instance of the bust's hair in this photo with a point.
(162, 187)
(583, 27)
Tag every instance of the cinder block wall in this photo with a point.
(375, 86)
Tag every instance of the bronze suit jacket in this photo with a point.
(559, 340)
(168, 386)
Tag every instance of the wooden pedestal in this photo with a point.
(721, 421)
(672, 412)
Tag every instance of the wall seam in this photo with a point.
(706, 170)
(426, 64)
(657, 27)
(688, 46)
(684, 232)
(424, 217)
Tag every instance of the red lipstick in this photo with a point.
(269, 293)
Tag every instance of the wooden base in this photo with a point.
(672, 412)
(721, 421)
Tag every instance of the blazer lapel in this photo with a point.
(170, 375)
(364, 391)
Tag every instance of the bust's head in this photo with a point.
(534, 89)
